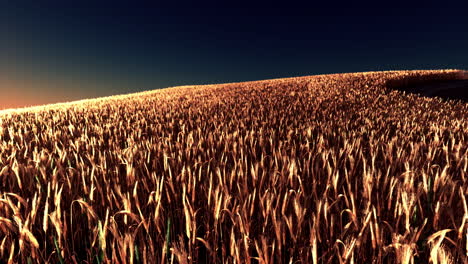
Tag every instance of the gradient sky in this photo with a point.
(55, 52)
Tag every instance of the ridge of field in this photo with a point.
(338, 168)
(385, 76)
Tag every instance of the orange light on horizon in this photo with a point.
(20, 93)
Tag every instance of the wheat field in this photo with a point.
(333, 168)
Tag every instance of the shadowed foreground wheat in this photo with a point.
(319, 169)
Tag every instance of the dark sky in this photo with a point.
(52, 51)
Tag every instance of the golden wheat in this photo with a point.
(319, 169)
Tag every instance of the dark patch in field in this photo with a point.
(446, 89)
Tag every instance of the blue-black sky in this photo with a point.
(55, 51)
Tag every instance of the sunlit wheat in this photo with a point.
(320, 169)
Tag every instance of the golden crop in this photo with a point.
(320, 169)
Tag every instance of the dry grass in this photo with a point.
(319, 169)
